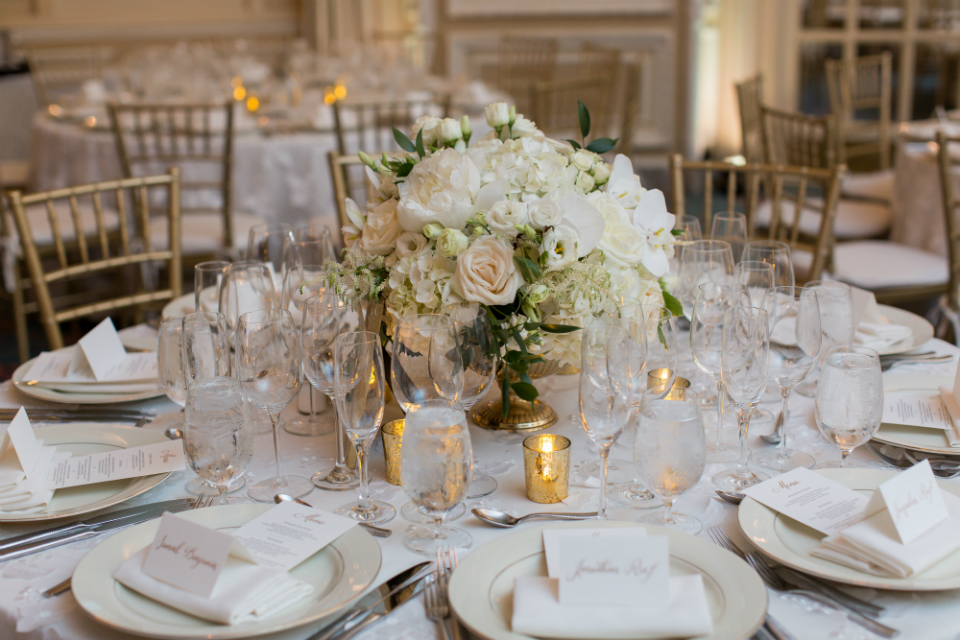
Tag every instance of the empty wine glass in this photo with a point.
(773, 253)
(670, 453)
(689, 229)
(436, 461)
(703, 261)
(217, 437)
(268, 365)
(836, 321)
(207, 277)
(170, 360)
(246, 286)
(706, 336)
(795, 340)
(849, 400)
(265, 242)
(744, 350)
(731, 227)
(756, 276)
(360, 391)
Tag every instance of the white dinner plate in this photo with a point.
(789, 542)
(339, 573)
(916, 438)
(53, 395)
(84, 438)
(179, 307)
(922, 330)
(481, 589)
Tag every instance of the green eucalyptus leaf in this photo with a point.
(404, 170)
(602, 145)
(420, 150)
(574, 144)
(405, 143)
(583, 114)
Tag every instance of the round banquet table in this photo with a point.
(25, 614)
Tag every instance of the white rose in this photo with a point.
(505, 215)
(601, 172)
(486, 272)
(560, 245)
(498, 115)
(440, 189)
(585, 181)
(544, 213)
(583, 160)
(411, 244)
(381, 231)
(450, 131)
(430, 125)
(452, 243)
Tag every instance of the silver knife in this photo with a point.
(43, 545)
(91, 523)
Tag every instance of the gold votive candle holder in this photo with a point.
(546, 467)
(657, 380)
(392, 434)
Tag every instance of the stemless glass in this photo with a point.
(360, 390)
(836, 321)
(436, 461)
(670, 453)
(706, 335)
(207, 277)
(773, 253)
(744, 350)
(265, 242)
(325, 317)
(170, 360)
(795, 340)
(757, 277)
(268, 365)
(604, 410)
(703, 261)
(218, 437)
(849, 401)
(731, 227)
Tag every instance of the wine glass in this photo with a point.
(217, 437)
(325, 317)
(706, 335)
(773, 253)
(246, 286)
(731, 227)
(265, 242)
(207, 277)
(604, 409)
(268, 365)
(360, 390)
(690, 231)
(170, 360)
(436, 461)
(670, 452)
(795, 340)
(703, 261)
(836, 320)
(756, 276)
(744, 350)
(849, 400)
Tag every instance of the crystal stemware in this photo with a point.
(757, 276)
(731, 227)
(703, 261)
(849, 400)
(836, 321)
(170, 360)
(265, 242)
(207, 277)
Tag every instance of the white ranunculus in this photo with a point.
(450, 131)
(504, 216)
(560, 245)
(441, 189)
(430, 125)
(623, 184)
(652, 220)
(583, 160)
(411, 244)
(544, 213)
(498, 115)
(452, 243)
(486, 272)
(381, 230)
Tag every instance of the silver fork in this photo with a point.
(436, 605)
(446, 563)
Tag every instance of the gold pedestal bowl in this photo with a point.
(523, 416)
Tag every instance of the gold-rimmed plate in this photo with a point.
(915, 438)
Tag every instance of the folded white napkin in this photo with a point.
(881, 335)
(953, 408)
(28, 494)
(244, 592)
(873, 546)
(537, 611)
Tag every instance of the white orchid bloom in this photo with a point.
(654, 222)
(583, 218)
(623, 184)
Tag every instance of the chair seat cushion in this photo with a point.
(202, 233)
(855, 218)
(878, 264)
(875, 185)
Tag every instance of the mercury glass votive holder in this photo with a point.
(657, 379)
(392, 434)
(546, 467)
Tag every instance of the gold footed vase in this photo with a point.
(523, 416)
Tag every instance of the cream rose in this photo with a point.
(498, 115)
(381, 230)
(430, 126)
(440, 189)
(450, 131)
(486, 272)
(583, 160)
(505, 215)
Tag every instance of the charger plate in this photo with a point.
(922, 329)
(81, 439)
(789, 542)
(44, 393)
(481, 589)
(339, 573)
(915, 438)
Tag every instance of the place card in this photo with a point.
(289, 533)
(160, 457)
(100, 351)
(20, 451)
(811, 499)
(911, 411)
(57, 366)
(913, 500)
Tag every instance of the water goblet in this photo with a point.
(849, 401)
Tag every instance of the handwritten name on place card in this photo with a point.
(914, 501)
(187, 555)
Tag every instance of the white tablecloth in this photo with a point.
(24, 614)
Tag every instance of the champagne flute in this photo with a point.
(795, 341)
(360, 391)
(207, 277)
(730, 227)
(849, 400)
(744, 350)
(836, 320)
(757, 276)
(269, 368)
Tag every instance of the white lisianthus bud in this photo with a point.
(537, 294)
(526, 230)
(585, 181)
(498, 115)
(460, 146)
(450, 131)
(530, 311)
(601, 173)
(451, 243)
(367, 160)
(465, 128)
(583, 160)
(433, 230)
(513, 114)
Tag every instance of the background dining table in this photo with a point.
(26, 614)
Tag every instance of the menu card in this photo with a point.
(911, 411)
(160, 457)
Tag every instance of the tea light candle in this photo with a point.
(392, 434)
(657, 378)
(546, 467)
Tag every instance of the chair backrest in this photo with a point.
(61, 70)
(197, 138)
(554, 105)
(523, 61)
(773, 177)
(114, 256)
(864, 83)
(603, 64)
(369, 124)
(749, 99)
(631, 107)
(947, 163)
(798, 139)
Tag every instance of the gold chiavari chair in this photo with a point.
(749, 99)
(123, 258)
(864, 84)
(950, 303)
(60, 70)
(523, 61)
(603, 64)
(369, 124)
(339, 166)
(197, 138)
(790, 189)
(631, 108)
(554, 105)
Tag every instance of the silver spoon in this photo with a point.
(173, 433)
(777, 435)
(378, 532)
(501, 519)
(732, 497)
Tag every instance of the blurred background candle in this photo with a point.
(546, 466)
(392, 434)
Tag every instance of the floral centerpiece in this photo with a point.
(542, 233)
